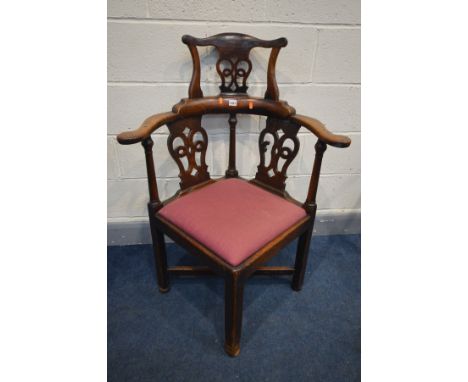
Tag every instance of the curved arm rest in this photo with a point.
(319, 129)
(146, 129)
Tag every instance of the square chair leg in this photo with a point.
(234, 291)
(301, 260)
(160, 258)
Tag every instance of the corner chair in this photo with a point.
(233, 225)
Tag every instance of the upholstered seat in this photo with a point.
(232, 217)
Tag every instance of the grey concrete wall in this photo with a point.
(318, 73)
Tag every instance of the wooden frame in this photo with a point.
(184, 123)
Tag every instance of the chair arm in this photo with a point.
(319, 129)
(146, 129)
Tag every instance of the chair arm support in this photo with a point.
(319, 129)
(147, 128)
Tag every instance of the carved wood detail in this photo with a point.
(233, 64)
(284, 148)
(233, 72)
(187, 144)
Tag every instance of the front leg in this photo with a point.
(234, 293)
(159, 252)
(301, 259)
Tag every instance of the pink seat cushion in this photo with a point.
(232, 217)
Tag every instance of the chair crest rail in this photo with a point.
(233, 64)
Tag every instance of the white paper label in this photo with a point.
(232, 102)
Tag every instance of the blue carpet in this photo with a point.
(312, 335)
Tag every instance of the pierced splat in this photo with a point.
(233, 72)
(187, 144)
(283, 149)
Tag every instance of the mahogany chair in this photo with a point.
(233, 225)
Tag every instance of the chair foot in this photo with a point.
(296, 288)
(233, 351)
(164, 290)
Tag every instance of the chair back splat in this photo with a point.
(187, 144)
(233, 225)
